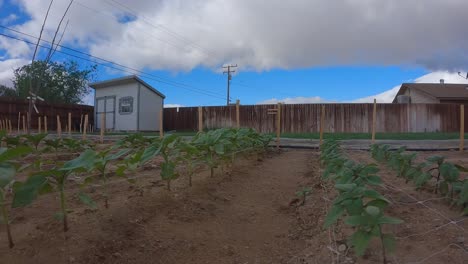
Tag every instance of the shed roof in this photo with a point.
(437, 90)
(125, 80)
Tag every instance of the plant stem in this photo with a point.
(437, 182)
(211, 171)
(7, 221)
(106, 197)
(383, 246)
(169, 185)
(64, 209)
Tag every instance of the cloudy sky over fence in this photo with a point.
(294, 51)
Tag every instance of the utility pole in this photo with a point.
(229, 71)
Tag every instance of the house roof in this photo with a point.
(124, 80)
(437, 90)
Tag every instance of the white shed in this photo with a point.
(130, 104)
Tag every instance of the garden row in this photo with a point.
(444, 176)
(358, 203)
(213, 149)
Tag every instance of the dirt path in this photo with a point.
(245, 219)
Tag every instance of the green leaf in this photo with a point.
(26, 192)
(436, 159)
(333, 215)
(11, 153)
(345, 187)
(168, 171)
(356, 220)
(374, 180)
(84, 198)
(84, 161)
(381, 204)
(7, 173)
(389, 242)
(117, 155)
(372, 210)
(356, 207)
(449, 171)
(360, 240)
(58, 216)
(375, 195)
(389, 220)
(444, 187)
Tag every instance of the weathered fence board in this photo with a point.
(297, 118)
(10, 107)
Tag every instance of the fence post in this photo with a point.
(59, 127)
(69, 124)
(322, 123)
(19, 121)
(24, 124)
(237, 113)
(45, 124)
(161, 123)
(462, 127)
(39, 125)
(85, 127)
(81, 123)
(200, 119)
(374, 120)
(103, 126)
(278, 126)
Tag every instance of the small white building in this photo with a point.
(130, 104)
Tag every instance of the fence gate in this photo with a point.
(105, 105)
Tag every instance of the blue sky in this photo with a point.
(290, 52)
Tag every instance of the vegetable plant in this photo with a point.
(56, 178)
(303, 193)
(7, 174)
(35, 139)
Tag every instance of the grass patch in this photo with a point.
(394, 136)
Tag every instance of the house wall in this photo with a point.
(151, 105)
(123, 122)
(418, 97)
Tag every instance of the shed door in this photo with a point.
(105, 105)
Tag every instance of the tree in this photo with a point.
(63, 82)
(6, 91)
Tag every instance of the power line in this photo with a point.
(146, 32)
(159, 26)
(229, 77)
(112, 67)
(159, 78)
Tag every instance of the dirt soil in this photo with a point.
(245, 218)
(252, 216)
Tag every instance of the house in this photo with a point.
(129, 104)
(432, 93)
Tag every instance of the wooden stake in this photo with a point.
(85, 126)
(103, 126)
(1, 124)
(278, 126)
(39, 125)
(24, 124)
(59, 127)
(45, 124)
(374, 120)
(200, 119)
(11, 128)
(462, 128)
(69, 124)
(322, 123)
(19, 121)
(161, 123)
(237, 113)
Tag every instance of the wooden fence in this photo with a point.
(296, 118)
(10, 107)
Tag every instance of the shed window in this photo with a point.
(126, 105)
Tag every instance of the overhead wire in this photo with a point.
(155, 77)
(147, 75)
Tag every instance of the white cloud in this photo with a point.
(8, 19)
(172, 105)
(384, 97)
(6, 70)
(168, 33)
